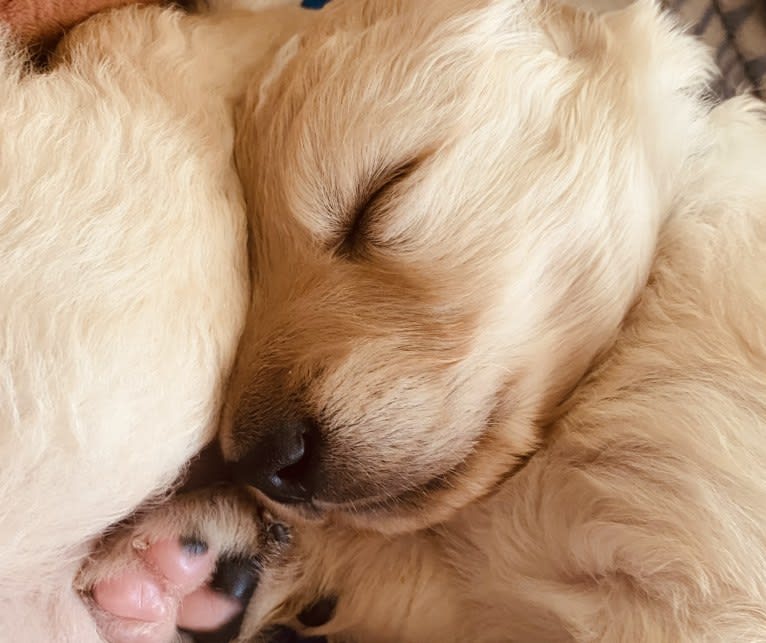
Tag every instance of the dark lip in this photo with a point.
(411, 498)
(307, 511)
(317, 509)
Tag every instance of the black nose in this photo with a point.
(284, 462)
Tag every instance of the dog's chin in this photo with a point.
(384, 514)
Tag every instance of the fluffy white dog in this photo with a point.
(504, 366)
(533, 244)
(123, 284)
(508, 303)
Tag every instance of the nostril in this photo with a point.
(283, 463)
(298, 471)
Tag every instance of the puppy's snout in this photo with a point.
(283, 462)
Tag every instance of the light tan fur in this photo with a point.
(520, 163)
(123, 284)
(572, 264)
(538, 363)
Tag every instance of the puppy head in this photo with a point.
(453, 205)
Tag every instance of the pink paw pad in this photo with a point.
(167, 589)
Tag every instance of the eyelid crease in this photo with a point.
(381, 183)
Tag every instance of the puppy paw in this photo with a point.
(187, 568)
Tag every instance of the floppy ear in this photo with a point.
(652, 41)
(642, 35)
(646, 61)
(573, 32)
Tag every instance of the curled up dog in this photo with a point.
(502, 372)
(123, 287)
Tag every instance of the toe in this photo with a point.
(136, 594)
(236, 576)
(206, 610)
(185, 563)
(214, 612)
(117, 630)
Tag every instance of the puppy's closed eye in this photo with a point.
(372, 200)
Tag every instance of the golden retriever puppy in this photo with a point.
(504, 366)
(123, 284)
(457, 249)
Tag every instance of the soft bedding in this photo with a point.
(736, 30)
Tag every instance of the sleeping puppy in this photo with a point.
(123, 283)
(504, 367)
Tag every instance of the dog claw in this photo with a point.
(236, 577)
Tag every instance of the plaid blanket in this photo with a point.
(736, 30)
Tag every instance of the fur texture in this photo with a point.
(123, 285)
(557, 303)
(35, 20)
(515, 276)
(433, 278)
(571, 264)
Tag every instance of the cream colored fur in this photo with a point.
(123, 284)
(596, 232)
(510, 165)
(607, 226)
(642, 516)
